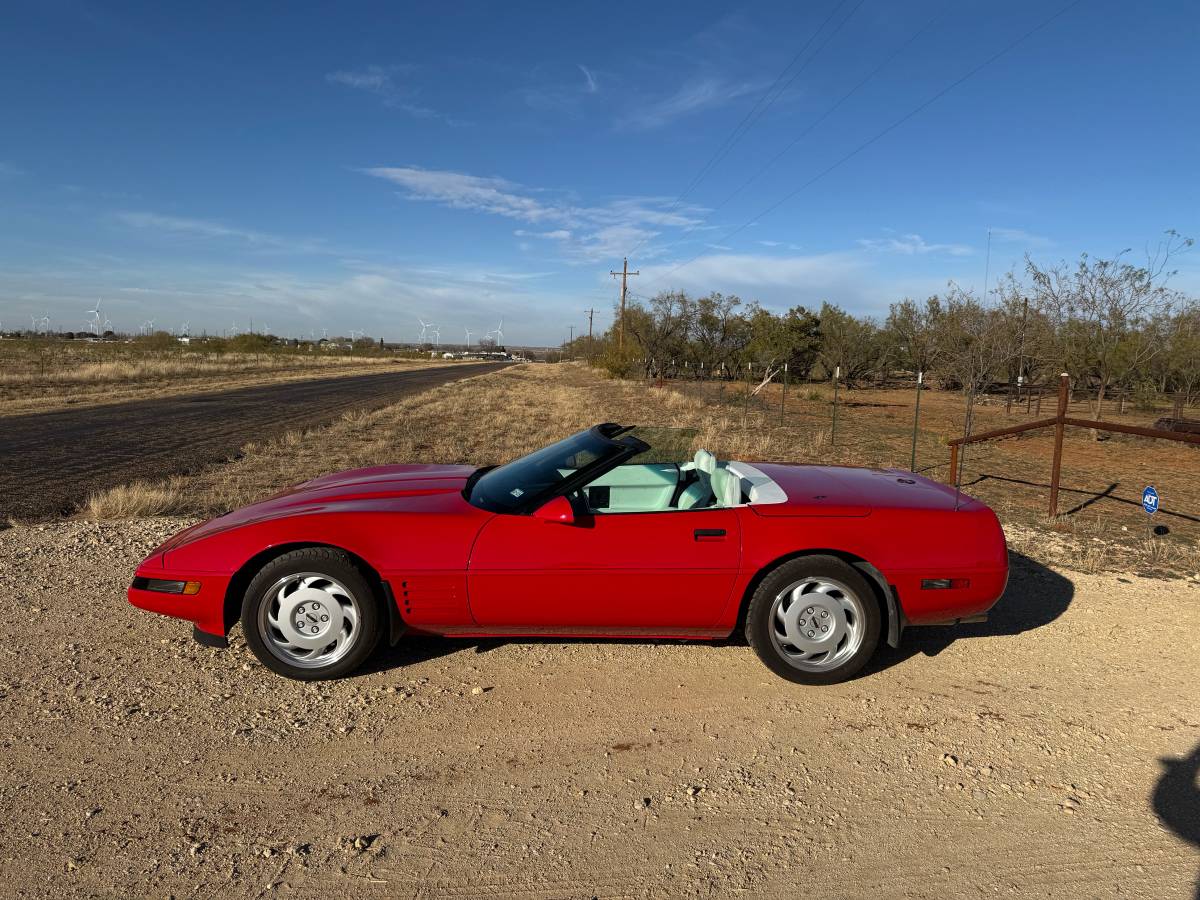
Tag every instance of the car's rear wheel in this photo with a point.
(814, 620)
(311, 614)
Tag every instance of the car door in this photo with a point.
(622, 573)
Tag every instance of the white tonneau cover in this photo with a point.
(758, 487)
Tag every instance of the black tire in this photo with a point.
(761, 628)
(344, 581)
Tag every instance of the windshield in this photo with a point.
(523, 483)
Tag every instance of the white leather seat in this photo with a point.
(699, 492)
(727, 487)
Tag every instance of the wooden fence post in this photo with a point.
(1064, 393)
(916, 422)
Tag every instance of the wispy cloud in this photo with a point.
(8, 170)
(384, 83)
(205, 228)
(913, 245)
(693, 97)
(1020, 236)
(557, 91)
(559, 234)
(583, 232)
(590, 85)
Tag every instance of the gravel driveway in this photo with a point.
(1023, 757)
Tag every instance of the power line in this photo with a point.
(890, 128)
(739, 130)
(807, 131)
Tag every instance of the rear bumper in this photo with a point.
(205, 610)
(952, 605)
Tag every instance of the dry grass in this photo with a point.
(96, 375)
(136, 500)
(494, 418)
(483, 420)
(152, 367)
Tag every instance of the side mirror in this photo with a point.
(557, 510)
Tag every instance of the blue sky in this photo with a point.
(361, 166)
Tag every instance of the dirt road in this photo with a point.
(1051, 752)
(51, 462)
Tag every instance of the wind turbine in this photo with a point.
(424, 327)
(500, 334)
(94, 325)
(186, 329)
(468, 331)
(437, 336)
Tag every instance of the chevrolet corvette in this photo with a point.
(817, 565)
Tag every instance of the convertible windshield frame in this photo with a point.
(492, 490)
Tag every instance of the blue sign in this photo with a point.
(1150, 500)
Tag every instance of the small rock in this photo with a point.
(477, 690)
(364, 841)
(950, 759)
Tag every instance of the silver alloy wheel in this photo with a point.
(308, 619)
(817, 624)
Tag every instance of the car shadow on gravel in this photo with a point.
(1176, 799)
(1035, 596)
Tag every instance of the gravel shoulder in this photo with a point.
(1025, 756)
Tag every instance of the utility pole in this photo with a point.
(590, 313)
(572, 340)
(624, 273)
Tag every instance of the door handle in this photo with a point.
(709, 534)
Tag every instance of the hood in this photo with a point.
(847, 491)
(404, 488)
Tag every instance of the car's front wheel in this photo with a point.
(814, 620)
(311, 614)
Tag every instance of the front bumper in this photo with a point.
(204, 609)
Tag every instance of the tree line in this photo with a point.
(1111, 323)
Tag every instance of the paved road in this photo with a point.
(50, 462)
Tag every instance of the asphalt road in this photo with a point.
(50, 462)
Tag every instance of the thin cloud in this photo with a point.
(584, 233)
(591, 86)
(692, 98)
(8, 170)
(849, 279)
(1020, 236)
(560, 234)
(382, 82)
(204, 228)
(913, 245)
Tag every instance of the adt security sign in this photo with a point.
(1150, 500)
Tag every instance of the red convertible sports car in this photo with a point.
(818, 564)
